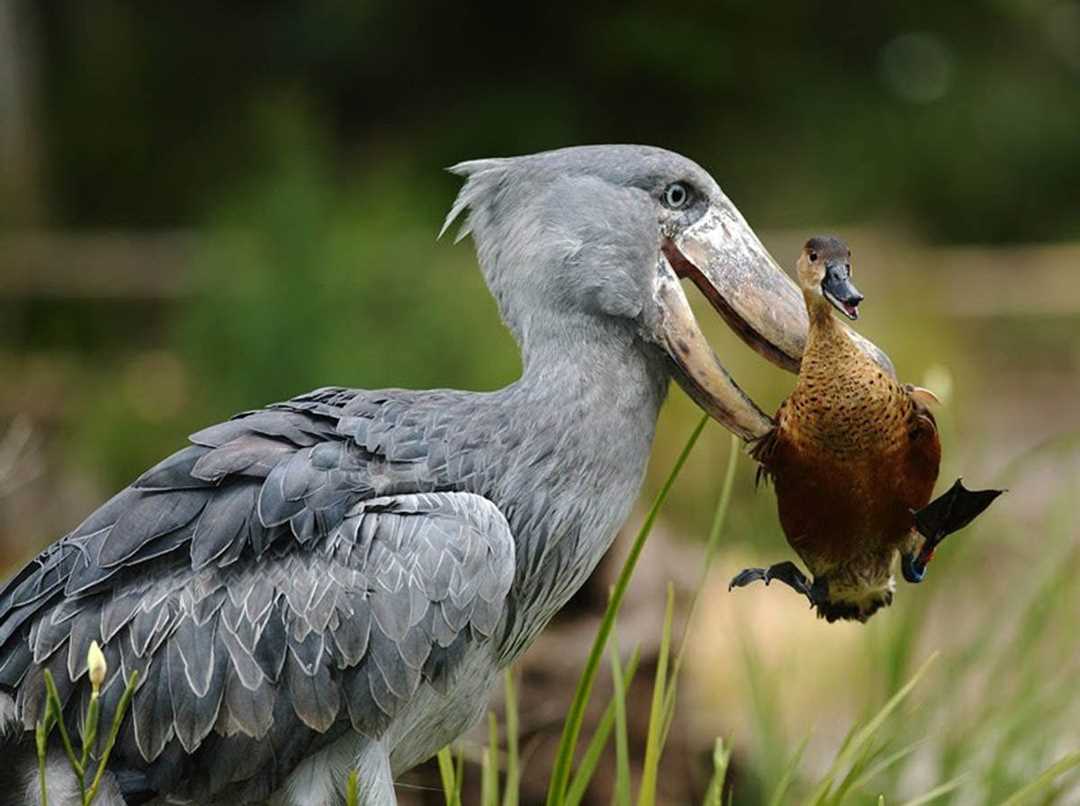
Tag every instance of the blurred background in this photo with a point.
(206, 208)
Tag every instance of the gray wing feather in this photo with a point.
(291, 572)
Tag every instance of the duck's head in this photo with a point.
(824, 272)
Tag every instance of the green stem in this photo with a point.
(114, 731)
(654, 740)
(41, 735)
(576, 716)
(719, 518)
(52, 702)
(510, 794)
(90, 728)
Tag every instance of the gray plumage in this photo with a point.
(336, 580)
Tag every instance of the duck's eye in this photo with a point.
(813, 257)
(676, 195)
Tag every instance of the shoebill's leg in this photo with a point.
(374, 776)
(321, 780)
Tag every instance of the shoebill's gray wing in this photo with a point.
(270, 592)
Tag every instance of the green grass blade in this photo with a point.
(657, 716)
(888, 761)
(715, 530)
(52, 703)
(488, 792)
(560, 776)
(575, 793)
(938, 791)
(490, 781)
(722, 504)
(622, 737)
(352, 788)
(459, 775)
(1046, 779)
(714, 794)
(858, 748)
(41, 739)
(779, 795)
(513, 758)
(446, 775)
(866, 756)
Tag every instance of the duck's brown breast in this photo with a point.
(851, 456)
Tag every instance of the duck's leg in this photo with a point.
(786, 572)
(949, 512)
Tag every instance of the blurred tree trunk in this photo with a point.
(20, 189)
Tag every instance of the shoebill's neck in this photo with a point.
(580, 425)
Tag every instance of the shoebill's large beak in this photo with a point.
(730, 266)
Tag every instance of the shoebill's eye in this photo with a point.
(676, 196)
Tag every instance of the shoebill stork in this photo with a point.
(336, 581)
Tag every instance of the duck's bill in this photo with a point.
(727, 263)
(847, 308)
(839, 290)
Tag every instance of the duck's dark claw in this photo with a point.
(786, 572)
(745, 577)
(789, 573)
(949, 512)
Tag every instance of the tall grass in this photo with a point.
(997, 753)
(1007, 749)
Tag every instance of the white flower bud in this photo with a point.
(95, 660)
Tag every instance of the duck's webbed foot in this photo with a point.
(786, 572)
(949, 512)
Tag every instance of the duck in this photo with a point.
(853, 456)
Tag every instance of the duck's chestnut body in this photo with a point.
(854, 456)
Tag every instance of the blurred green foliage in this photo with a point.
(961, 118)
(302, 144)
